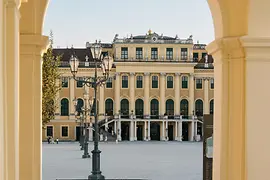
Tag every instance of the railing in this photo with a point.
(183, 117)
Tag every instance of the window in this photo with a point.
(109, 83)
(93, 110)
(212, 83)
(125, 108)
(184, 108)
(184, 82)
(154, 81)
(169, 53)
(139, 82)
(212, 106)
(199, 107)
(64, 107)
(198, 83)
(139, 108)
(124, 53)
(124, 81)
(184, 53)
(195, 57)
(104, 54)
(64, 82)
(109, 107)
(170, 108)
(80, 83)
(154, 53)
(203, 55)
(79, 106)
(49, 131)
(169, 82)
(154, 106)
(64, 131)
(139, 53)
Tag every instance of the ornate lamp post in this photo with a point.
(105, 63)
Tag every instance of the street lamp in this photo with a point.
(105, 65)
(80, 119)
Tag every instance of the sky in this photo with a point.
(75, 22)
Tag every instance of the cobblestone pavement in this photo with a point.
(130, 160)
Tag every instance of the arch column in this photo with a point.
(9, 89)
(177, 95)
(146, 96)
(162, 94)
(229, 117)
(31, 47)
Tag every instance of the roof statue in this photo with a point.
(206, 59)
(149, 31)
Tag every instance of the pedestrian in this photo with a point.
(52, 140)
(57, 140)
(48, 139)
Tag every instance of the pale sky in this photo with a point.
(74, 22)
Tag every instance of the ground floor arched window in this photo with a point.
(170, 108)
(125, 108)
(199, 107)
(139, 108)
(154, 105)
(109, 107)
(184, 108)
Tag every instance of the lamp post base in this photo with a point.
(96, 177)
(85, 156)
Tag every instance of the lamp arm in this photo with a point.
(88, 81)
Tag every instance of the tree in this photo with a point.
(50, 83)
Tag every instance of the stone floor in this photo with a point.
(126, 160)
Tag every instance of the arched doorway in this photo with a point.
(109, 107)
(155, 131)
(154, 109)
(212, 106)
(79, 106)
(139, 108)
(199, 107)
(125, 108)
(184, 108)
(170, 108)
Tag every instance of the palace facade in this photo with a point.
(159, 88)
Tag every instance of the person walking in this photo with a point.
(57, 140)
(48, 139)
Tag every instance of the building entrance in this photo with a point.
(125, 131)
(170, 132)
(155, 131)
(185, 131)
(139, 132)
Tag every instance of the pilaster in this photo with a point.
(206, 109)
(101, 103)
(117, 93)
(132, 92)
(191, 94)
(146, 95)
(230, 109)
(71, 98)
(162, 93)
(177, 94)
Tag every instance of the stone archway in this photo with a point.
(241, 52)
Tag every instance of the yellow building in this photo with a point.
(160, 85)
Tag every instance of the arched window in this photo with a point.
(139, 108)
(212, 106)
(80, 104)
(199, 107)
(154, 109)
(64, 107)
(124, 108)
(109, 107)
(184, 108)
(169, 81)
(170, 108)
(94, 107)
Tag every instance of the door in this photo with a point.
(155, 131)
(139, 132)
(170, 132)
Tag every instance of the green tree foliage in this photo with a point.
(50, 83)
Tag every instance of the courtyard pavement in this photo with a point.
(126, 160)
